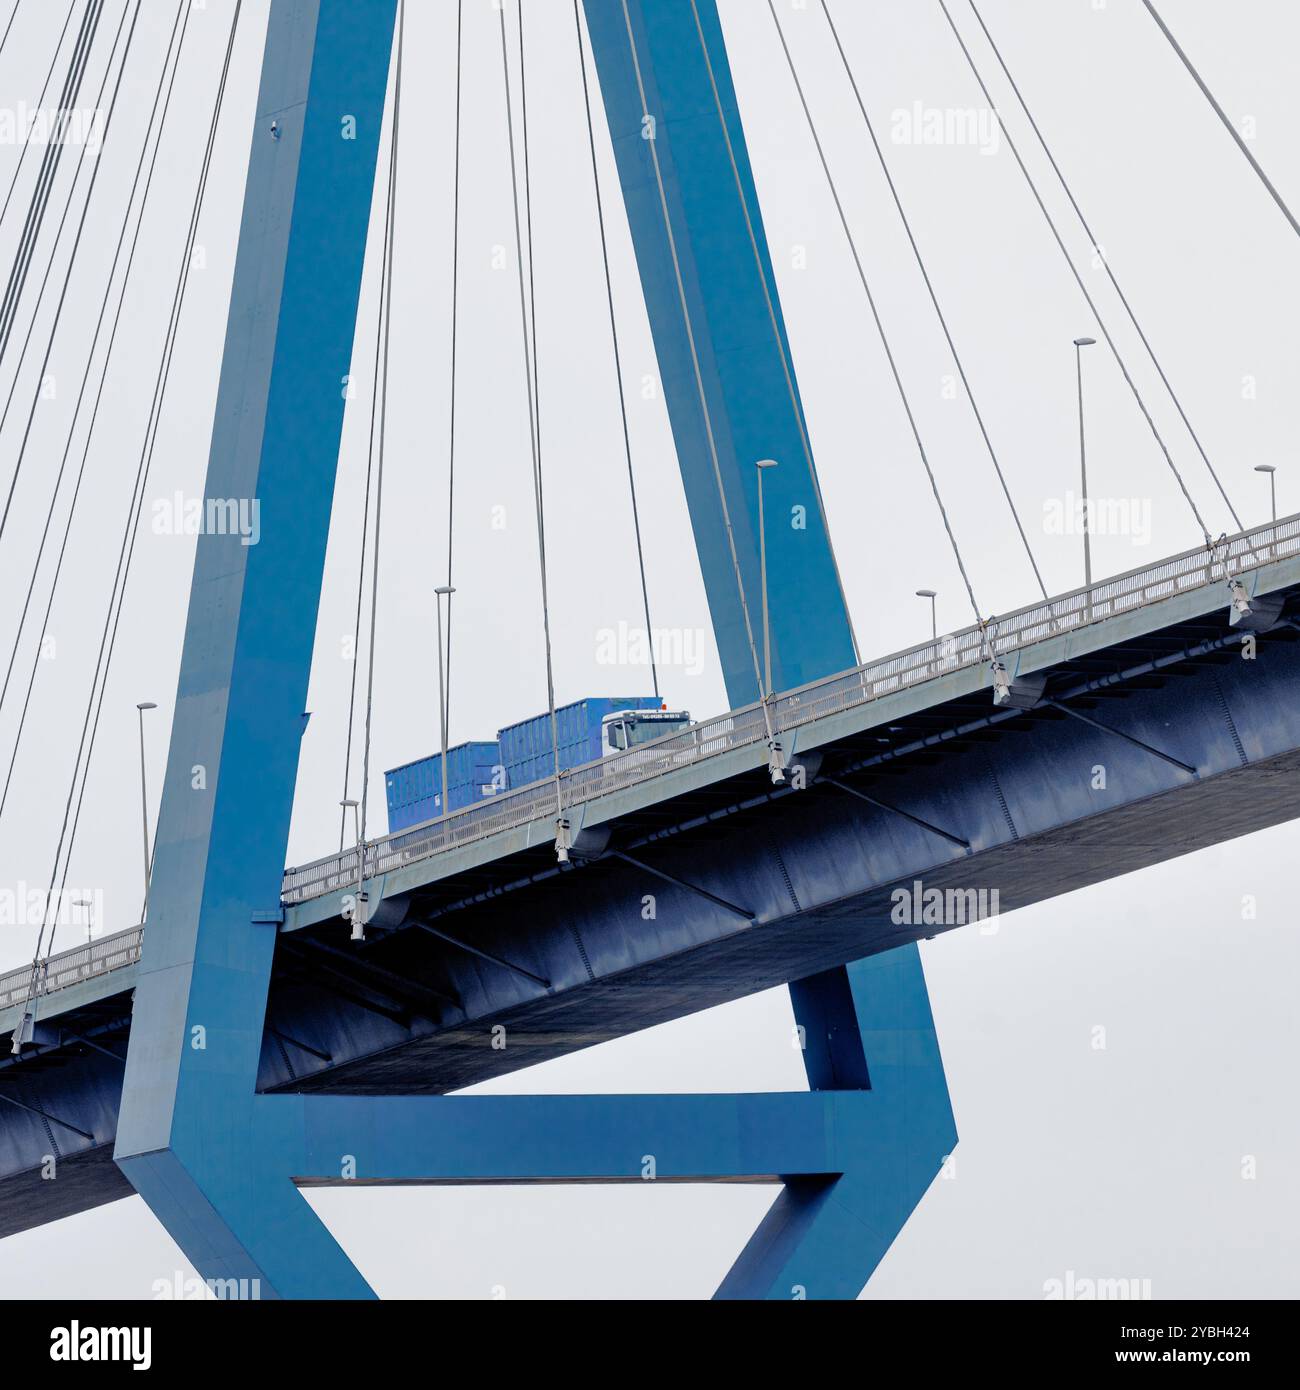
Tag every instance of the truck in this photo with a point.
(588, 730)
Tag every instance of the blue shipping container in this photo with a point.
(525, 748)
(414, 790)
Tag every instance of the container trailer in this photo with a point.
(590, 729)
(414, 790)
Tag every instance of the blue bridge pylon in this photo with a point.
(217, 1162)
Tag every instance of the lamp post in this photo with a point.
(1079, 345)
(443, 591)
(1272, 485)
(934, 617)
(144, 808)
(762, 466)
(89, 905)
(358, 913)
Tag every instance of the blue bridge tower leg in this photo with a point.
(218, 1163)
(733, 399)
(186, 1138)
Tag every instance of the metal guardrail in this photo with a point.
(970, 646)
(71, 967)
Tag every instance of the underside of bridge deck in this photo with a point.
(741, 886)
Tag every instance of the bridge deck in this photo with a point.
(929, 674)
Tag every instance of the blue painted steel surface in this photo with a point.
(414, 790)
(738, 334)
(185, 1136)
(729, 382)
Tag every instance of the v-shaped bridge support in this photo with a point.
(218, 1163)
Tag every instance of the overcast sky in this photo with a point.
(1122, 1162)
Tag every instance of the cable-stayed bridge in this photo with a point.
(267, 1028)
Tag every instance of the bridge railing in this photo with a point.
(969, 646)
(69, 967)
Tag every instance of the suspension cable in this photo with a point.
(1078, 279)
(13, 14)
(889, 352)
(537, 402)
(445, 714)
(63, 293)
(689, 326)
(48, 170)
(40, 106)
(381, 320)
(925, 276)
(386, 310)
(108, 640)
(183, 10)
(777, 336)
(1105, 264)
(618, 363)
(54, 873)
(530, 367)
(1223, 116)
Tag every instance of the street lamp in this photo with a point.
(443, 591)
(1079, 345)
(144, 809)
(358, 914)
(1272, 484)
(762, 466)
(89, 905)
(934, 617)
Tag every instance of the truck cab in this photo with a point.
(623, 729)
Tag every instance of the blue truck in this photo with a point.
(588, 730)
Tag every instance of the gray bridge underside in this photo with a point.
(816, 868)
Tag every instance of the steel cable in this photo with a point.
(530, 370)
(108, 640)
(184, 9)
(46, 175)
(618, 363)
(889, 352)
(769, 299)
(925, 276)
(1105, 265)
(1069, 260)
(688, 324)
